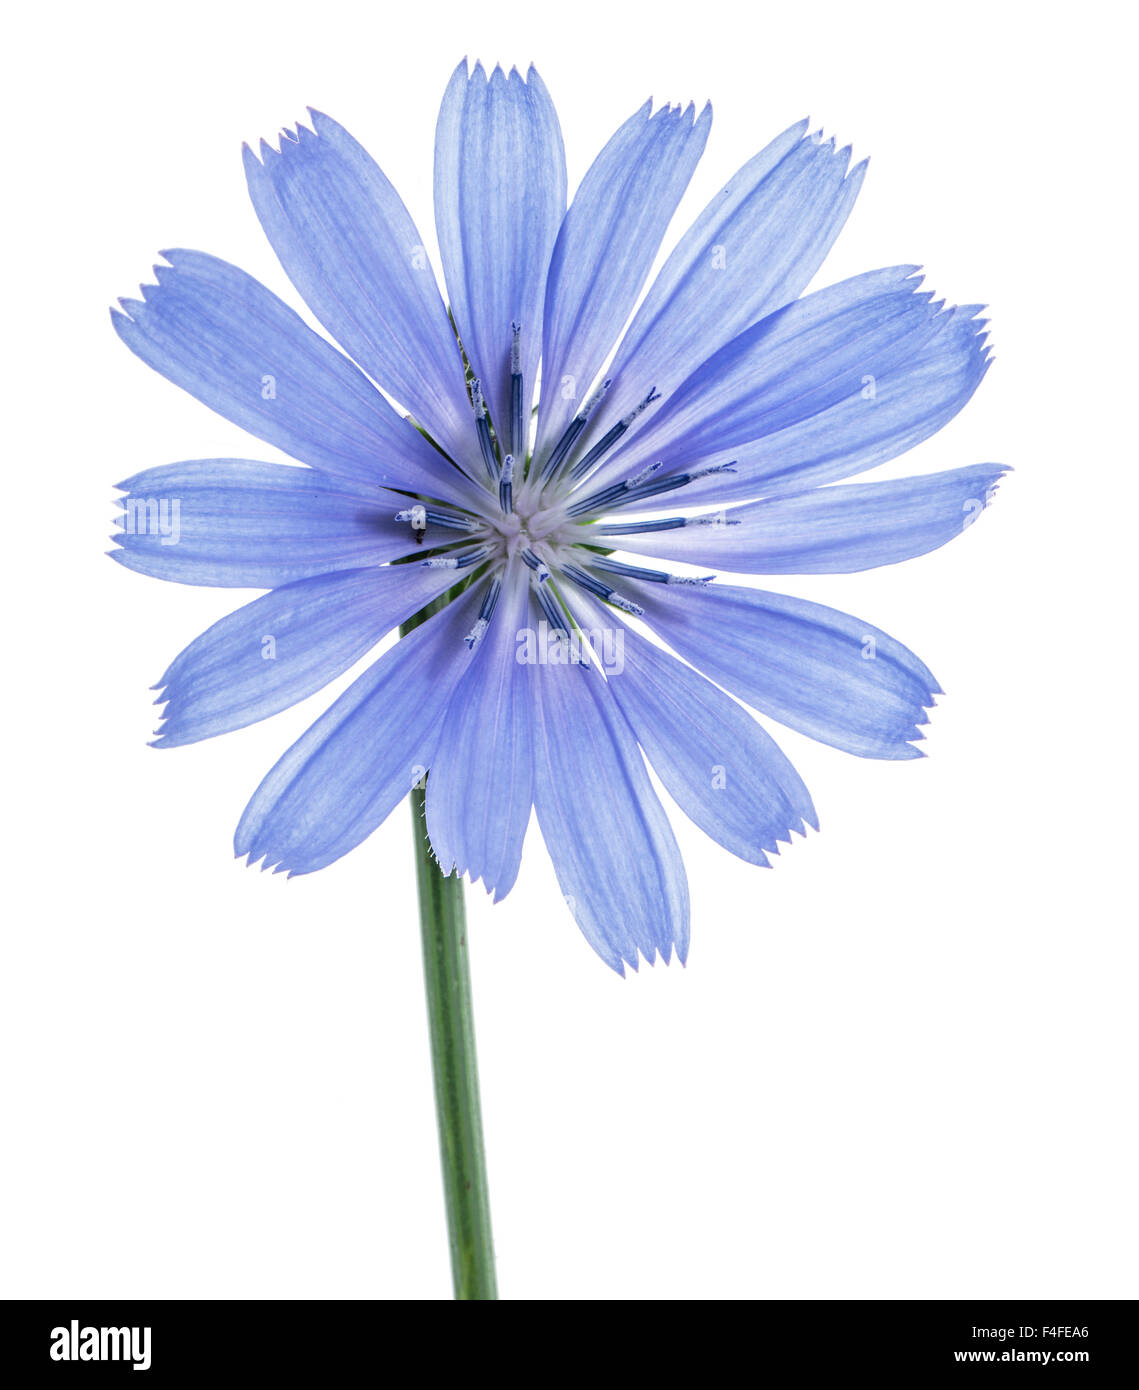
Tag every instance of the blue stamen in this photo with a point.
(633, 528)
(540, 568)
(643, 485)
(421, 517)
(550, 609)
(486, 612)
(606, 443)
(573, 432)
(517, 428)
(605, 591)
(482, 426)
(603, 562)
(460, 561)
(506, 485)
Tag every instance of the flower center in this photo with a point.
(537, 513)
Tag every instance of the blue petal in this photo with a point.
(605, 249)
(832, 530)
(480, 790)
(234, 523)
(822, 672)
(612, 847)
(721, 768)
(221, 335)
(343, 777)
(285, 646)
(753, 249)
(349, 245)
(836, 383)
(500, 195)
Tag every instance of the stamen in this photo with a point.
(482, 622)
(603, 562)
(460, 561)
(643, 485)
(553, 614)
(596, 500)
(517, 435)
(633, 528)
(540, 568)
(605, 591)
(573, 431)
(506, 485)
(421, 517)
(482, 426)
(606, 443)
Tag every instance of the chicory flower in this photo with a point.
(545, 485)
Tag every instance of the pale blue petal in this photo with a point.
(604, 251)
(344, 776)
(831, 530)
(836, 383)
(221, 335)
(235, 523)
(349, 245)
(500, 196)
(822, 672)
(613, 850)
(480, 790)
(285, 646)
(753, 249)
(721, 768)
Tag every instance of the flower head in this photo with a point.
(534, 487)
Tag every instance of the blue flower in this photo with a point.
(710, 439)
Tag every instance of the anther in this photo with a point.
(421, 517)
(604, 562)
(517, 424)
(482, 622)
(540, 568)
(643, 485)
(482, 428)
(553, 614)
(506, 485)
(573, 432)
(633, 528)
(605, 591)
(461, 561)
(607, 441)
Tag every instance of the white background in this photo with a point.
(900, 1063)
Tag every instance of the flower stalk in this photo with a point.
(450, 1015)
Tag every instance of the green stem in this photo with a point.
(450, 1015)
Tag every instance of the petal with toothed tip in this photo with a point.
(500, 195)
(348, 244)
(221, 335)
(479, 792)
(285, 646)
(613, 850)
(753, 249)
(605, 249)
(836, 383)
(723, 770)
(832, 530)
(822, 672)
(346, 775)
